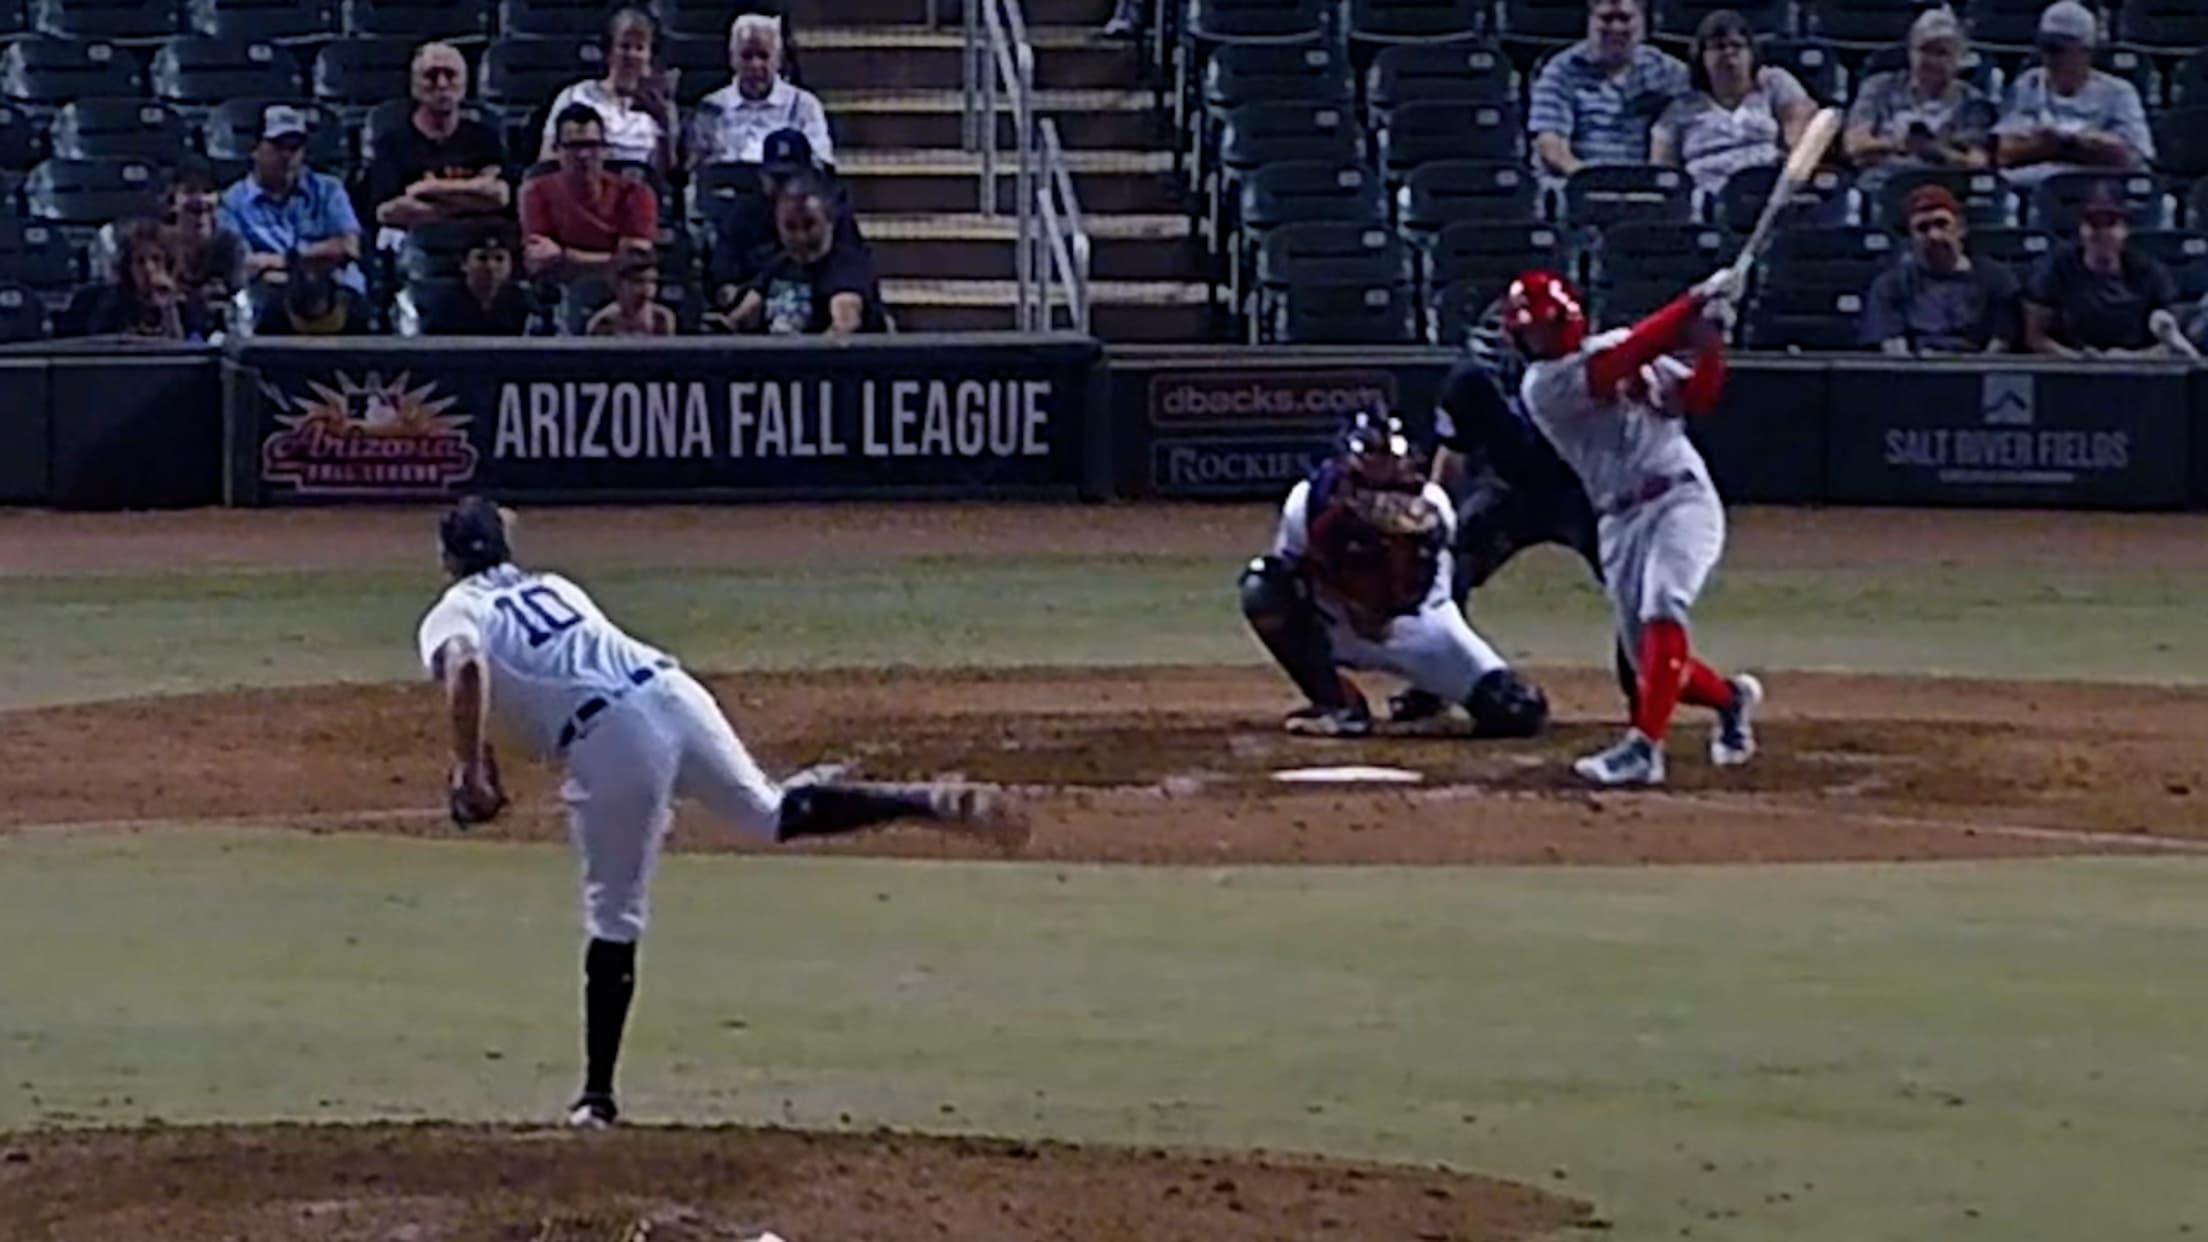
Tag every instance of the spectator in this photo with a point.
(439, 165)
(634, 102)
(488, 303)
(2096, 297)
(816, 284)
(1740, 113)
(733, 123)
(210, 260)
(148, 298)
(1927, 117)
(285, 212)
(315, 304)
(745, 240)
(1937, 299)
(2065, 115)
(1594, 102)
(576, 221)
(635, 309)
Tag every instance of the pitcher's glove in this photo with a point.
(1376, 552)
(480, 800)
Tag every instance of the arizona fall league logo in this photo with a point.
(367, 437)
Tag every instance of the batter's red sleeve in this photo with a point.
(1659, 334)
(1706, 383)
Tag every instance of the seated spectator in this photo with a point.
(2097, 297)
(1740, 113)
(745, 240)
(488, 302)
(732, 124)
(1927, 117)
(284, 211)
(210, 260)
(1595, 101)
(577, 221)
(816, 284)
(634, 101)
(148, 298)
(439, 165)
(1937, 299)
(635, 309)
(313, 303)
(2065, 115)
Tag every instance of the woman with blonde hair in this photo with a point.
(635, 100)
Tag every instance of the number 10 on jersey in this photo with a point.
(540, 612)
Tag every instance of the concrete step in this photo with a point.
(1086, 119)
(935, 180)
(840, 58)
(970, 245)
(915, 12)
(1148, 311)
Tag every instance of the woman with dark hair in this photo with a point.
(634, 99)
(1738, 113)
(148, 298)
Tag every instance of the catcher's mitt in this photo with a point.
(1377, 553)
(477, 802)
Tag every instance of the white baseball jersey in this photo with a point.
(547, 647)
(1615, 442)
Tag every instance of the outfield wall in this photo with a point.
(113, 425)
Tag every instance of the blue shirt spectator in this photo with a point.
(284, 209)
(1595, 101)
(2065, 115)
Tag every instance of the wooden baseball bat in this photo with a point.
(1801, 164)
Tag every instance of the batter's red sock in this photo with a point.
(1705, 688)
(1663, 661)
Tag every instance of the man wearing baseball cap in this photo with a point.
(289, 215)
(1936, 298)
(745, 239)
(2097, 297)
(1925, 116)
(2063, 115)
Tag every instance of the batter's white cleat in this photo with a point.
(983, 812)
(593, 1112)
(1733, 741)
(1634, 761)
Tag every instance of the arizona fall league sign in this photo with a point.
(324, 423)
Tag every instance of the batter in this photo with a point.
(1360, 577)
(1614, 407)
(634, 731)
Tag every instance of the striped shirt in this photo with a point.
(1605, 118)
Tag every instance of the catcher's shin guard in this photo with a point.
(1277, 603)
(1503, 704)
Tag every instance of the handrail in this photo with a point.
(1063, 236)
(1051, 242)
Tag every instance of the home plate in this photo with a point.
(1352, 774)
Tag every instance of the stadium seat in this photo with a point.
(358, 73)
(36, 255)
(1863, 23)
(2007, 24)
(51, 72)
(1332, 253)
(2181, 142)
(1600, 196)
(198, 71)
(112, 20)
(88, 193)
(2163, 25)
(704, 66)
(1300, 190)
(15, 18)
(1222, 22)
(1987, 200)
(1490, 256)
(2187, 86)
(417, 19)
(119, 129)
(1267, 133)
(1765, 17)
(519, 75)
(1459, 308)
(1821, 202)
(1442, 192)
(22, 315)
(1272, 73)
(2184, 253)
(1454, 73)
(2018, 249)
(1379, 314)
(1978, 69)
(1810, 61)
(1797, 318)
(266, 20)
(2196, 206)
(18, 139)
(1374, 24)
(1423, 132)
(540, 18)
(1848, 258)
(2056, 203)
(235, 127)
(1673, 255)
(1544, 21)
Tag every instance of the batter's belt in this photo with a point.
(598, 703)
(1654, 487)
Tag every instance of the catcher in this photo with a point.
(1360, 577)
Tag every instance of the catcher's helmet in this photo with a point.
(1375, 451)
(1544, 316)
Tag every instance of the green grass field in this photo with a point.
(1825, 1054)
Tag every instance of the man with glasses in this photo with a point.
(1937, 299)
(439, 165)
(2064, 115)
(579, 220)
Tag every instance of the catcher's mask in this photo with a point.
(1375, 452)
(1544, 316)
(473, 535)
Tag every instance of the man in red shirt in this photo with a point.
(581, 219)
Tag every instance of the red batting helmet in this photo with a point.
(1543, 315)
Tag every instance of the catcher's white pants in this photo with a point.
(1656, 557)
(1434, 649)
(667, 738)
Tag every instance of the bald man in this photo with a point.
(439, 165)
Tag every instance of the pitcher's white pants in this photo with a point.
(666, 738)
